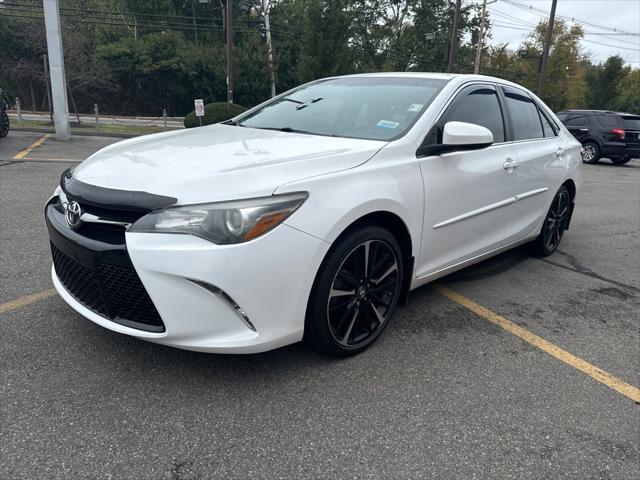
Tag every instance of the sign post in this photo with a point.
(199, 103)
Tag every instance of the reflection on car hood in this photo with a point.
(220, 162)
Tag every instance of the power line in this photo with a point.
(139, 20)
(17, 12)
(544, 13)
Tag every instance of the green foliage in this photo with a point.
(628, 94)
(149, 56)
(604, 81)
(213, 113)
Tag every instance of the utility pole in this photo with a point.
(56, 68)
(266, 13)
(476, 65)
(545, 49)
(454, 37)
(45, 60)
(229, 25)
(193, 14)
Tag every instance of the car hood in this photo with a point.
(220, 162)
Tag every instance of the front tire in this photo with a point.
(591, 152)
(355, 292)
(555, 223)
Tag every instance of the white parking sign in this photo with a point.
(199, 103)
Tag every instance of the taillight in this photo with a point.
(582, 154)
(619, 133)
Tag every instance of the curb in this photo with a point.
(81, 133)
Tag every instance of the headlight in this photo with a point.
(224, 222)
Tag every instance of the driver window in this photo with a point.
(478, 105)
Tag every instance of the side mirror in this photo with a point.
(458, 137)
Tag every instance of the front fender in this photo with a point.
(387, 183)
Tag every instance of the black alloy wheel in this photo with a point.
(4, 123)
(555, 224)
(356, 292)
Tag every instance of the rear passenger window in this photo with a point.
(524, 115)
(479, 105)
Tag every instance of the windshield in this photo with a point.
(372, 108)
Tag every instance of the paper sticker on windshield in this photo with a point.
(387, 124)
(414, 107)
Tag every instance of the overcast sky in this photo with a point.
(511, 24)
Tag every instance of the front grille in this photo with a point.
(79, 281)
(127, 296)
(112, 291)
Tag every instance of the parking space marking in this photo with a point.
(50, 160)
(23, 153)
(26, 300)
(585, 367)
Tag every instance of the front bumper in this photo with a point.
(269, 278)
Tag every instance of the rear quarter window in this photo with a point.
(610, 121)
(631, 123)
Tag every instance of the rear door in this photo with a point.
(579, 125)
(542, 162)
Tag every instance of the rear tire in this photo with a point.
(555, 223)
(4, 123)
(620, 160)
(355, 292)
(591, 152)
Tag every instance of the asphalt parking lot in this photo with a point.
(445, 393)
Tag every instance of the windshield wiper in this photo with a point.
(295, 130)
(287, 99)
(232, 122)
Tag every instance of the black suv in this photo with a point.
(4, 118)
(611, 135)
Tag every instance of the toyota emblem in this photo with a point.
(72, 214)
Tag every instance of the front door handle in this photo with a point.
(510, 164)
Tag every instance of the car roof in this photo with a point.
(460, 78)
(434, 75)
(591, 111)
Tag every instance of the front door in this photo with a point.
(468, 195)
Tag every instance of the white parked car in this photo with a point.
(312, 215)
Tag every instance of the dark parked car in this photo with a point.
(604, 134)
(4, 118)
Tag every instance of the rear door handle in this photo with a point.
(560, 152)
(510, 164)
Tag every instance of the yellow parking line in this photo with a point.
(26, 300)
(36, 144)
(45, 160)
(585, 367)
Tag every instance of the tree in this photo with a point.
(604, 82)
(565, 69)
(325, 49)
(628, 94)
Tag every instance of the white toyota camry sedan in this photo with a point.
(312, 215)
